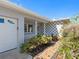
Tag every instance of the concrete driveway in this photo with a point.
(14, 54)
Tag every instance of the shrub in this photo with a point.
(70, 43)
(34, 42)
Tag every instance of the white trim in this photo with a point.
(35, 27)
(44, 28)
(27, 27)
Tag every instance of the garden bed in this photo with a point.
(38, 44)
(40, 48)
(49, 52)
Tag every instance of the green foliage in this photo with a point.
(34, 42)
(70, 44)
(75, 19)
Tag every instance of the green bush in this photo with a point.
(70, 44)
(34, 42)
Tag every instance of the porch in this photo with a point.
(33, 27)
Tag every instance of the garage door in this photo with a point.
(8, 34)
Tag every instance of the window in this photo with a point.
(1, 20)
(25, 27)
(28, 28)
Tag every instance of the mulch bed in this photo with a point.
(42, 47)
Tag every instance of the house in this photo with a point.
(18, 24)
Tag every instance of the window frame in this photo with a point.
(26, 28)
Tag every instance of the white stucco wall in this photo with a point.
(59, 29)
(10, 13)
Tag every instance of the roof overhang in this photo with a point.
(26, 12)
(10, 5)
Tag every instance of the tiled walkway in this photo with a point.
(48, 53)
(14, 54)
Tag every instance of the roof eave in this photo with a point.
(21, 10)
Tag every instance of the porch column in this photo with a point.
(35, 27)
(44, 28)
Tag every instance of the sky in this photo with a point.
(51, 8)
